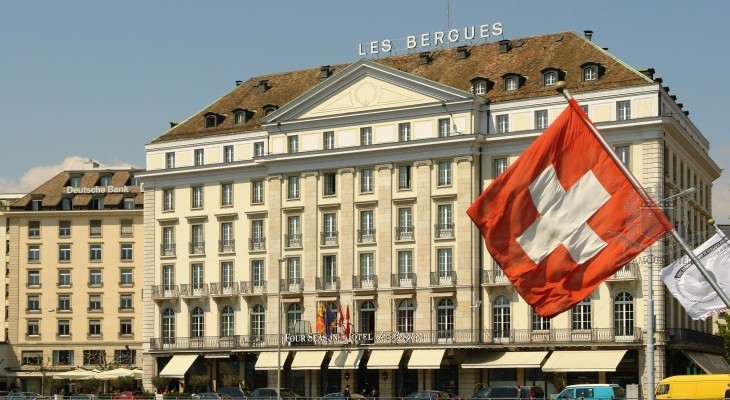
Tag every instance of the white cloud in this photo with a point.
(38, 175)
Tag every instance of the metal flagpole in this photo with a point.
(560, 87)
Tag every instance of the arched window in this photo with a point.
(197, 323)
(501, 317)
(549, 78)
(445, 318)
(228, 325)
(239, 117)
(511, 83)
(623, 314)
(590, 73)
(168, 326)
(406, 312)
(293, 316)
(258, 321)
(211, 121)
(581, 315)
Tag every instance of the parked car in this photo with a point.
(210, 396)
(234, 392)
(599, 391)
(338, 395)
(82, 396)
(509, 392)
(125, 395)
(431, 395)
(24, 395)
(270, 393)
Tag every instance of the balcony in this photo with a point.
(403, 280)
(165, 292)
(366, 236)
(684, 337)
(224, 289)
(365, 282)
(257, 244)
(328, 283)
(443, 231)
(328, 238)
(227, 246)
(291, 285)
(404, 233)
(629, 272)
(443, 278)
(494, 277)
(193, 291)
(197, 247)
(167, 249)
(252, 288)
(293, 241)
(212, 342)
(564, 337)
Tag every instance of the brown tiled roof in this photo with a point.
(53, 190)
(565, 51)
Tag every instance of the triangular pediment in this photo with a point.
(364, 87)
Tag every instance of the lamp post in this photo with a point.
(278, 332)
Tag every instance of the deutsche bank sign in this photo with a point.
(434, 39)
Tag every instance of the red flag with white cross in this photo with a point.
(564, 217)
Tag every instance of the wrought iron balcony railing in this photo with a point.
(403, 280)
(197, 290)
(366, 235)
(329, 238)
(224, 289)
(365, 282)
(328, 283)
(227, 246)
(292, 285)
(254, 287)
(196, 247)
(293, 241)
(443, 278)
(257, 243)
(404, 233)
(687, 336)
(443, 231)
(164, 292)
(494, 276)
(628, 272)
(167, 249)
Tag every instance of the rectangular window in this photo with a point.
(294, 232)
(197, 277)
(500, 165)
(64, 302)
(445, 263)
(404, 177)
(199, 157)
(64, 252)
(227, 244)
(35, 205)
(64, 278)
(367, 268)
(126, 228)
(257, 192)
(293, 270)
(125, 302)
(34, 229)
(330, 184)
(94, 357)
(329, 140)
(168, 241)
(226, 194)
(405, 264)
(541, 119)
(128, 203)
(95, 228)
(64, 228)
(125, 327)
(168, 203)
(624, 154)
(329, 222)
(444, 127)
(257, 273)
(293, 144)
(292, 187)
(33, 328)
(97, 203)
(404, 132)
(228, 153)
(95, 252)
(444, 173)
(502, 123)
(126, 251)
(32, 357)
(258, 149)
(329, 271)
(63, 357)
(540, 323)
(227, 275)
(95, 277)
(94, 327)
(366, 180)
(169, 160)
(366, 136)
(34, 278)
(64, 328)
(623, 110)
(125, 356)
(34, 303)
(126, 277)
(95, 302)
(197, 197)
(404, 230)
(168, 277)
(34, 253)
(197, 239)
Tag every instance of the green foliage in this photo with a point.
(124, 383)
(160, 383)
(90, 385)
(198, 383)
(59, 383)
(723, 322)
(230, 380)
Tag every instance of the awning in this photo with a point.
(710, 363)
(581, 361)
(308, 359)
(268, 360)
(426, 359)
(178, 366)
(346, 359)
(384, 359)
(509, 359)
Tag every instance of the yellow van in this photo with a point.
(693, 387)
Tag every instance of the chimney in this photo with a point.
(325, 71)
(424, 57)
(649, 72)
(173, 124)
(91, 164)
(462, 52)
(588, 34)
(504, 45)
(238, 83)
(262, 85)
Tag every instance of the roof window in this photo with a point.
(480, 86)
(551, 76)
(213, 119)
(592, 71)
(513, 81)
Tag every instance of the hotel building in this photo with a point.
(345, 188)
(74, 276)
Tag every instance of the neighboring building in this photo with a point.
(5, 200)
(345, 188)
(74, 276)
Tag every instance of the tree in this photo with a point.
(723, 330)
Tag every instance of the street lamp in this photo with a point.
(278, 339)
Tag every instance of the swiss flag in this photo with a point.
(563, 217)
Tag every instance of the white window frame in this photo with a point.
(502, 122)
(444, 171)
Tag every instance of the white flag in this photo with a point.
(688, 285)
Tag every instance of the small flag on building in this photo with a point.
(319, 324)
(689, 287)
(330, 321)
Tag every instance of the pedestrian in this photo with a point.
(373, 392)
(520, 394)
(727, 392)
(346, 392)
(364, 391)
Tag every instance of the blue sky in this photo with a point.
(92, 79)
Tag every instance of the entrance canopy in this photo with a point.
(583, 361)
(346, 359)
(268, 360)
(384, 359)
(178, 366)
(509, 359)
(426, 359)
(710, 363)
(308, 359)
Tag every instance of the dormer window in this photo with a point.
(239, 117)
(591, 71)
(513, 81)
(105, 181)
(269, 108)
(263, 85)
(211, 121)
(480, 86)
(551, 76)
(75, 181)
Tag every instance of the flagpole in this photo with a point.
(561, 87)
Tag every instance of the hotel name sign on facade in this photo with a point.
(434, 39)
